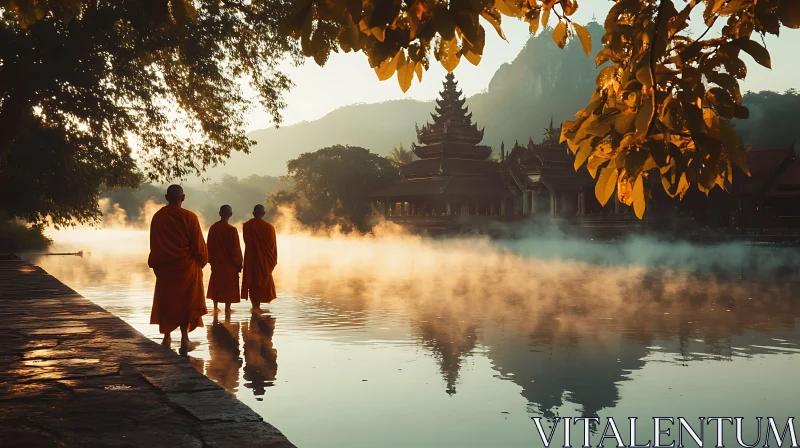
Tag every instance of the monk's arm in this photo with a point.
(152, 242)
(237, 251)
(198, 244)
(273, 248)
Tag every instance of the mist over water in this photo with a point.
(391, 339)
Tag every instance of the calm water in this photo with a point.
(399, 341)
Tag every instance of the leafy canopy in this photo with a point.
(660, 107)
(400, 155)
(90, 90)
(331, 184)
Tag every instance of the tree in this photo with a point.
(90, 90)
(656, 110)
(400, 156)
(331, 185)
(552, 134)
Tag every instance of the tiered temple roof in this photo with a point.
(452, 133)
(451, 161)
(548, 165)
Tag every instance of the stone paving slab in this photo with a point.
(73, 375)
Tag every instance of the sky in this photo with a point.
(348, 79)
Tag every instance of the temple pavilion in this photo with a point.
(453, 176)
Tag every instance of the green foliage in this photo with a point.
(773, 119)
(102, 86)
(400, 155)
(16, 237)
(331, 185)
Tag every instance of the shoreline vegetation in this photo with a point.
(16, 237)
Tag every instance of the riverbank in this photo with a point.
(72, 374)
(17, 237)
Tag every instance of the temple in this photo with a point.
(453, 176)
(456, 184)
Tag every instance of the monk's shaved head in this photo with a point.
(259, 211)
(225, 213)
(175, 195)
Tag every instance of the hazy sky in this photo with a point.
(347, 78)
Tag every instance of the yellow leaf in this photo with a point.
(507, 7)
(606, 77)
(643, 76)
(789, 12)
(585, 37)
(643, 118)
(754, 49)
(623, 122)
(545, 16)
(405, 72)
(379, 32)
(448, 54)
(386, 69)
(606, 183)
(533, 20)
(639, 201)
(494, 19)
(582, 154)
(595, 160)
(560, 34)
(473, 58)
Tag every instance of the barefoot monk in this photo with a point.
(225, 257)
(177, 256)
(260, 258)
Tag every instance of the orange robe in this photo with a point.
(225, 257)
(260, 258)
(177, 255)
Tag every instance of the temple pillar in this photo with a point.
(616, 204)
(449, 208)
(581, 203)
(526, 203)
(553, 203)
(503, 207)
(533, 201)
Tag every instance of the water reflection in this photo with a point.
(459, 342)
(223, 350)
(260, 357)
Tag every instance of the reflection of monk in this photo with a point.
(225, 257)
(260, 358)
(223, 350)
(260, 258)
(177, 256)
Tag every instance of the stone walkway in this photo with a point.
(74, 375)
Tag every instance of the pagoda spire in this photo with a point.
(452, 120)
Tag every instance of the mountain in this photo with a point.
(541, 83)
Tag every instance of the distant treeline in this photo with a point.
(773, 119)
(240, 194)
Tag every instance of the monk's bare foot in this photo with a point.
(167, 341)
(187, 345)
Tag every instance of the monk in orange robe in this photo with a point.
(178, 254)
(260, 258)
(225, 257)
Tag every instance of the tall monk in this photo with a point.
(177, 256)
(260, 258)
(225, 257)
